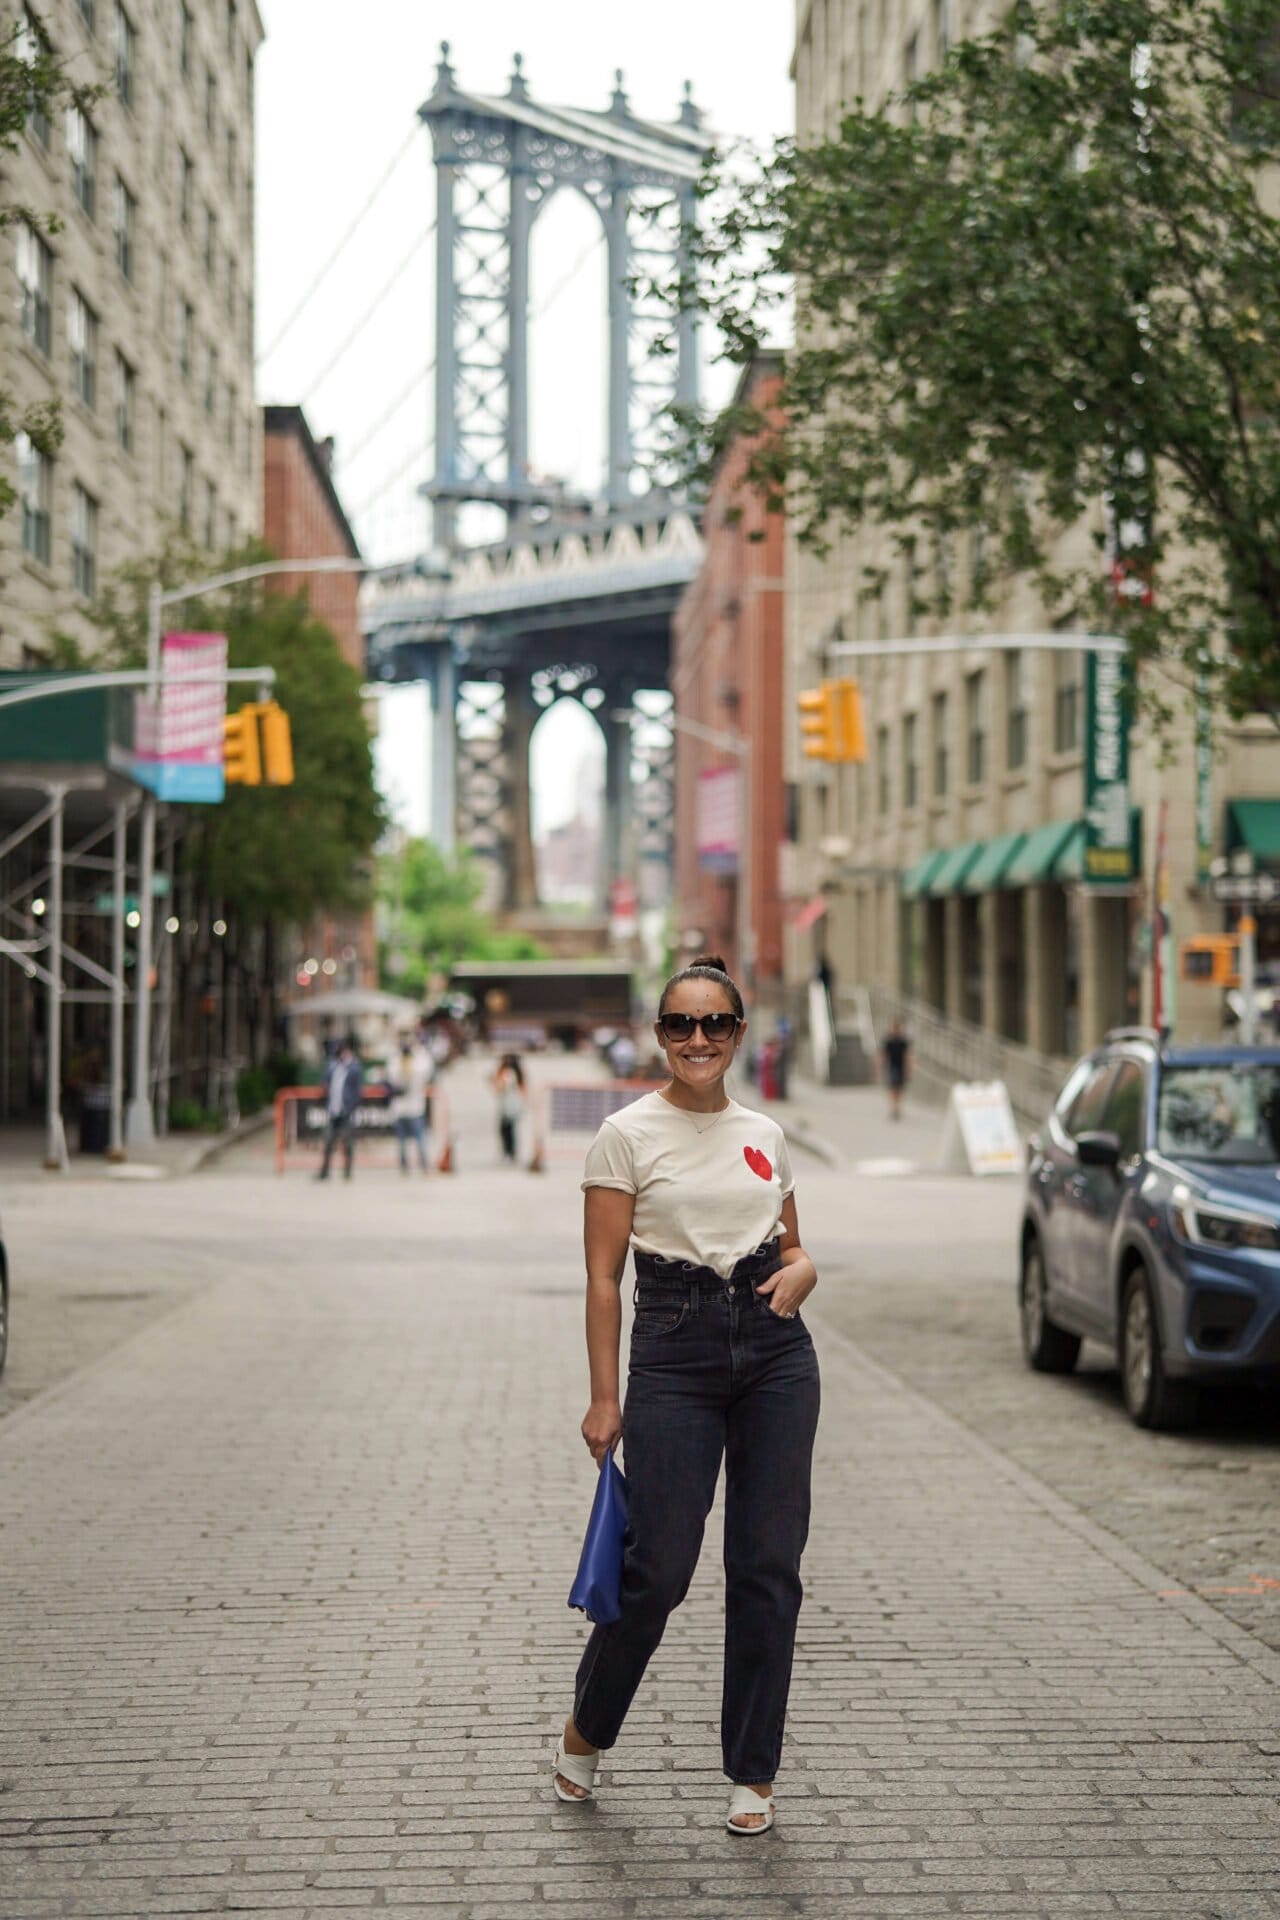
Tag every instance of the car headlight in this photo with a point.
(1205, 1226)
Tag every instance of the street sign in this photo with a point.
(106, 902)
(1261, 887)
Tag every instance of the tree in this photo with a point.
(1041, 287)
(434, 918)
(32, 87)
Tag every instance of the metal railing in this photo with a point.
(945, 1050)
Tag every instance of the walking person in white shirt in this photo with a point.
(413, 1075)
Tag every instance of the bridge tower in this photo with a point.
(575, 600)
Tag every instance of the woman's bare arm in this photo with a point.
(796, 1278)
(607, 1232)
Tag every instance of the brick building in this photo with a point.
(728, 674)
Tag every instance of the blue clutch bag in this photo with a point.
(598, 1586)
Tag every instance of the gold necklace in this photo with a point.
(688, 1113)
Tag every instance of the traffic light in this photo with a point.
(241, 754)
(277, 745)
(831, 725)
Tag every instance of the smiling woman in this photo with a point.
(721, 1366)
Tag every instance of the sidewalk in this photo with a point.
(850, 1126)
(283, 1624)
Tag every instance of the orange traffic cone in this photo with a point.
(446, 1157)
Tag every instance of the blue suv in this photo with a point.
(1152, 1220)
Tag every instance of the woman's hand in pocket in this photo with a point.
(602, 1428)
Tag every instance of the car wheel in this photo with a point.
(1152, 1399)
(1047, 1347)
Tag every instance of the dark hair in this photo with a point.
(512, 1060)
(705, 966)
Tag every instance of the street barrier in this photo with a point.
(302, 1121)
(569, 1114)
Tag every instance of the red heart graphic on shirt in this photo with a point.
(758, 1162)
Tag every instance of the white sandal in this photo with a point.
(747, 1800)
(580, 1768)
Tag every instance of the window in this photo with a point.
(126, 404)
(184, 40)
(126, 222)
(30, 46)
(1015, 709)
(1066, 702)
(82, 338)
(186, 487)
(1125, 1109)
(35, 278)
(210, 239)
(941, 725)
(911, 68)
(942, 28)
(233, 161)
(975, 720)
(1085, 1115)
(186, 328)
(35, 486)
(210, 514)
(231, 420)
(84, 541)
(232, 23)
(210, 102)
(210, 378)
(88, 11)
(126, 52)
(910, 762)
(186, 186)
(882, 769)
(231, 285)
(82, 150)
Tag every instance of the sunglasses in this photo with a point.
(715, 1026)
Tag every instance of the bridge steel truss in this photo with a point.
(577, 600)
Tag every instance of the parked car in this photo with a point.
(1152, 1220)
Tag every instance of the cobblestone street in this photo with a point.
(282, 1620)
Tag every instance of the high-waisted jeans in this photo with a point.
(714, 1371)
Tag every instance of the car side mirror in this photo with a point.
(1098, 1150)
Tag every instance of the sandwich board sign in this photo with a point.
(980, 1134)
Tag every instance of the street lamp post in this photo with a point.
(140, 1122)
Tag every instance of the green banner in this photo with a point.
(1108, 843)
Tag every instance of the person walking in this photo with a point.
(508, 1084)
(896, 1053)
(721, 1368)
(343, 1085)
(413, 1073)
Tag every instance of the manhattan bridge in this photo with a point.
(575, 598)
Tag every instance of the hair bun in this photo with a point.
(712, 960)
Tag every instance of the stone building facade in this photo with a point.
(952, 861)
(138, 314)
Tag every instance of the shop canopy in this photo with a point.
(1037, 859)
(950, 874)
(1255, 824)
(990, 869)
(915, 880)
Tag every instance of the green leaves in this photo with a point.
(1051, 289)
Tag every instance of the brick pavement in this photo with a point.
(282, 1623)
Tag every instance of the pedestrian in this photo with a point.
(896, 1053)
(343, 1084)
(720, 1367)
(825, 974)
(624, 1056)
(508, 1084)
(413, 1072)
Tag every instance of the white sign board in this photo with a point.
(980, 1134)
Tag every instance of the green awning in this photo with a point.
(1036, 859)
(1254, 824)
(1069, 864)
(948, 876)
(988, 870)
(915, 880)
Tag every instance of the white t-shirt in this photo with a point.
(706, 1193)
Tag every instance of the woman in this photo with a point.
(720, 1365)
(508, 1084)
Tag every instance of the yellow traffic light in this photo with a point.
(831, 725)
(277, 745)
(241, 754)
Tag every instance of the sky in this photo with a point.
(337, 129)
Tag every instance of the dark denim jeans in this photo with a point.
(714, 1372)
